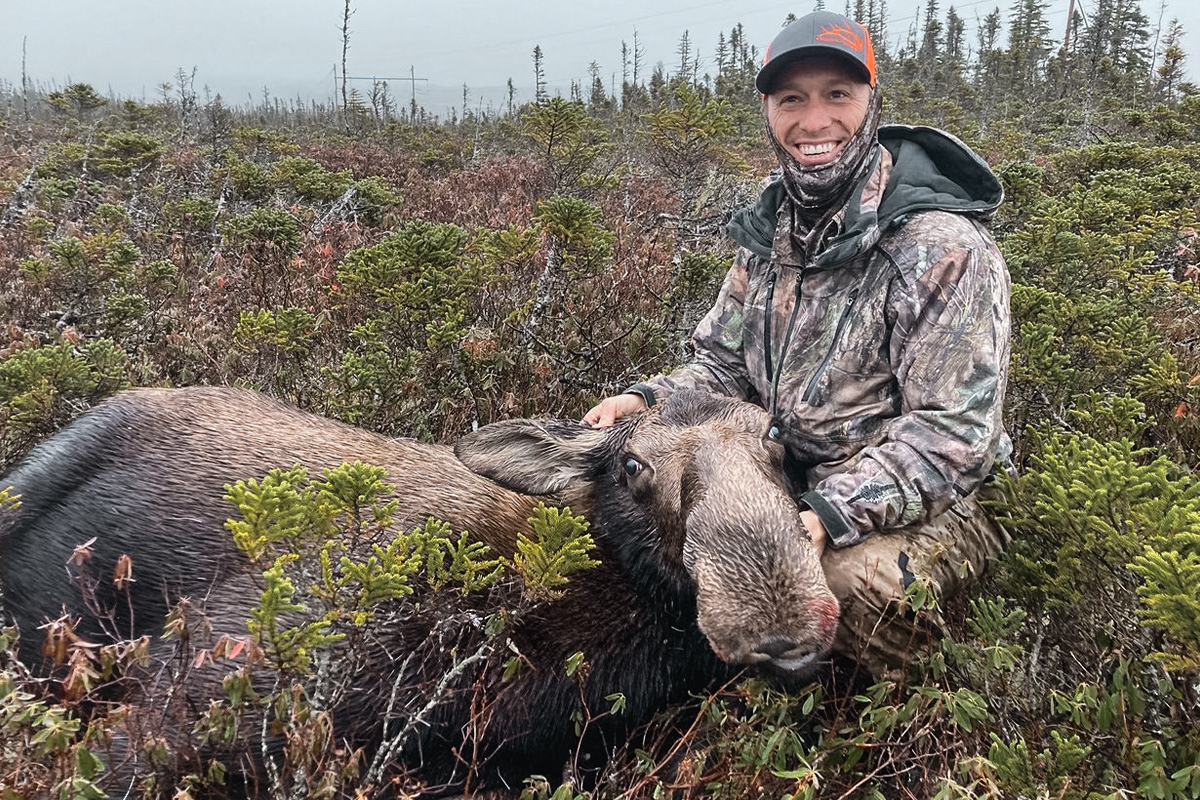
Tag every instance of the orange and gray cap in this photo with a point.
(814, 34)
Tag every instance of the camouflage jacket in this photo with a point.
(884, 357)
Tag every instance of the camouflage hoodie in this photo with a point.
(884, 357)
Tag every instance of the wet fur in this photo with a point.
(144, 474)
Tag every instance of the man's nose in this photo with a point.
(814, 117)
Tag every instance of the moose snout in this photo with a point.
(776, 613)
(786, 654)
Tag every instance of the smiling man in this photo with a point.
(868, 310)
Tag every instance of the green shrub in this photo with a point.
(191, 214)
(123, 154)
(407, 299)
(268, 232)
(63, 161)
(373, 199)
(250, 181)
(41, 387)
(309, 180)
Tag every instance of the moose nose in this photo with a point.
(775, 646)
(785, 653)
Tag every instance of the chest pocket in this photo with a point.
(837, 377)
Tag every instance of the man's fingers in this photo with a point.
(595, 417)
(609, 410)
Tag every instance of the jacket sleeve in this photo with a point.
(718, 362)
(949, 348)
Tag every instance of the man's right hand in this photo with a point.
(611, 409)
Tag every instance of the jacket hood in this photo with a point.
(931, 170)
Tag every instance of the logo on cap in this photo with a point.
(838, 34)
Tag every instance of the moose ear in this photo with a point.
(530, 456)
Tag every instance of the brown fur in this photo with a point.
(701, 549)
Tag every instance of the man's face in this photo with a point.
(815, 107)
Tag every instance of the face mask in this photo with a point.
(816, 191)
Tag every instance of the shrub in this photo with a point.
(336, 575)
(43, 387)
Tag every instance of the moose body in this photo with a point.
(704, 565)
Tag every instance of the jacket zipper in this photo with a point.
(787, 341)
(837, 337)
(770, 301)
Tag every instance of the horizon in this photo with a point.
(55, 48)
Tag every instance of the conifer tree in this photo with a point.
(929, 51)
(569, 143)
(600, 104)
(539, 75)
(1028, 47)
(77, 100)
(1170, 72)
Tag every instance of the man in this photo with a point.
(868, 310)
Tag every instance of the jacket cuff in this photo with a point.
(643, 390)
(838, 532)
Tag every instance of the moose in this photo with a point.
(704, 568)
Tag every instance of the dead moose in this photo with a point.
(704, 565)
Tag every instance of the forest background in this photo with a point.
(419, 276)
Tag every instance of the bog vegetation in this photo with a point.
(418, 277)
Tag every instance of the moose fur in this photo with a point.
(705, 566)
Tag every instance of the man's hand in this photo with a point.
(816, 529)
(611, 409)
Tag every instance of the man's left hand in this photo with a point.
(816, 530)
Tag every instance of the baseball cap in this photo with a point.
(813, 34)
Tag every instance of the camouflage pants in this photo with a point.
(879, 629)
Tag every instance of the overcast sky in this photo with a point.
(239, 48)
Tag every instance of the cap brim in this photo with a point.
(769, 74)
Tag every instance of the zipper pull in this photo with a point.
(768, 315)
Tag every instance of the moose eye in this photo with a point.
(774, 434)
(633, 467)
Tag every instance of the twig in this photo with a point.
(383, 756)
(216, 234)
(336, 211)
(387, 749)
(20, 200)
(635, 791)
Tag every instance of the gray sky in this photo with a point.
(290, 47)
